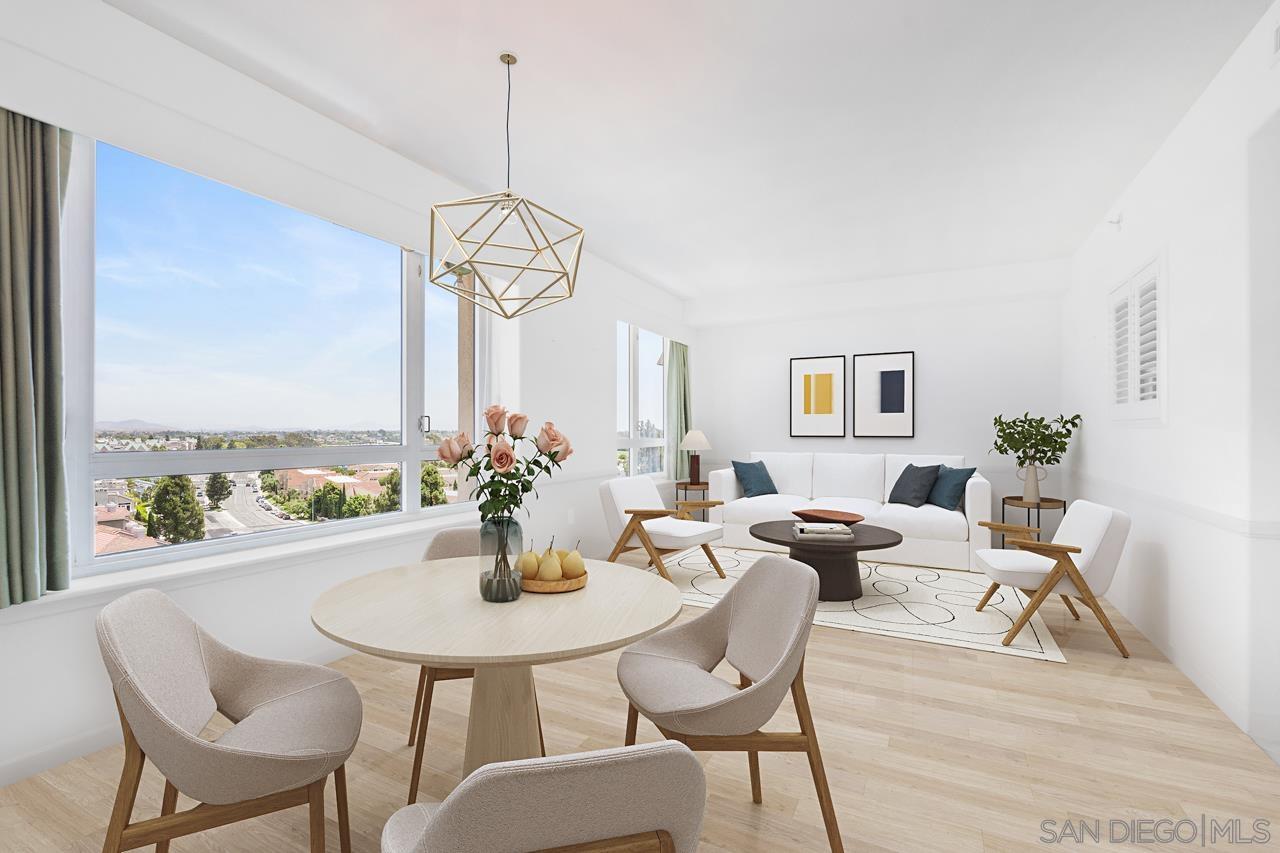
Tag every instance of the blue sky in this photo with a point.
(216, 309)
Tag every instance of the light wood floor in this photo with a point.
(927, 748)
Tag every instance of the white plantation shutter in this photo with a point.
(1146, 327)
(1120, 350)
(1137, 374)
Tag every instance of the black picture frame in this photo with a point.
(854, 394)
(844, 398)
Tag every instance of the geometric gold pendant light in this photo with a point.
(503, 251)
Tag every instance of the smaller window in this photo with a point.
(642, 394)
(1135, 315)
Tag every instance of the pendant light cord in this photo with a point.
(508, 126)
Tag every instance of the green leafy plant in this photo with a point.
(1034, 441)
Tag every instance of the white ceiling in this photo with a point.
(718, 144)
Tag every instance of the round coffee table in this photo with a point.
(835, 562)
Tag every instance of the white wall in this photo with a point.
(90, 68)
(1201, 560)
(986, 342)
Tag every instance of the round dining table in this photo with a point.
(431, 614)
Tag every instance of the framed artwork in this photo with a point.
(884, 395)
(817, 396)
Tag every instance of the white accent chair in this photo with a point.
(761, 627)
(1093, 533)
(638, 799)
(637, 518)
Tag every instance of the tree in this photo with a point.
(357, 505)
(153, 529)
(389, 499)
(177, 514)
(217, 488)
(432, 485)
(267, 480)
(327, 501)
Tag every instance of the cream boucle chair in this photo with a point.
(638, 799)
(294, 724)
(761, 627)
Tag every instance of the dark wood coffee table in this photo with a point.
(835, 562)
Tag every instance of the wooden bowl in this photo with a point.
(818, 516)
(563, 585)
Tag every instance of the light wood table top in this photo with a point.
(431, 613)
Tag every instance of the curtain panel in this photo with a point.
(679, 406)
(33, 491)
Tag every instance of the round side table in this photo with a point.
(687, 487)
(1042, 504)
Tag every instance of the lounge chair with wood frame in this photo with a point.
(640, 799)
(1081, 561)
(637, 518)
(293, 725)
(448, 543)
(761, 627)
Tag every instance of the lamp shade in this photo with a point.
(695, 440)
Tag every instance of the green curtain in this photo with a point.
(33, 491)
(679, 409)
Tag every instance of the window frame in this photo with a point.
(1134, 410)
(633, 441)
(86, 465)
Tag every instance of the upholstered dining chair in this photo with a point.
(450, 542)
(761, 627)
(638, 799)
(1081, 561)
(637, 518)
(293, 725)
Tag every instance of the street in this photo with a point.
(240, 513)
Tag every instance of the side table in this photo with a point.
(1042, 504)
(687, 487)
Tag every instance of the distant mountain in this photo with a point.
(132, 425)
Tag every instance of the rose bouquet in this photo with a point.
(503, 479)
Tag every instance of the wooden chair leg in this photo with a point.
(428, 688)
(627, 533)
(127, 792)
(344, 819)
(315, 799)
(753, 756)
(1091, 601)
(711, 555)
(991, 590)
(1050, 581)
(537, 709)
(633, 718)
(655, 556)
(417, 705)
(168, 805)
(1066, 599)
(819, 772)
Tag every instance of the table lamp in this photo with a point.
(694, 441)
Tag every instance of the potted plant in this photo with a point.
(1035, 443)
(503, 478)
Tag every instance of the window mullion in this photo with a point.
(413, 373)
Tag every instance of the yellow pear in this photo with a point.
(527, 565)
(549, 569)
(573, 565)
(562, 553)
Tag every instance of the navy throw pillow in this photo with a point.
(914, 485)
(755, 479)
(948, 489)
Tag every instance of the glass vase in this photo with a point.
(500, 543)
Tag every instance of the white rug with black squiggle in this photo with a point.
(911, 602)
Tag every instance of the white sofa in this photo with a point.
(861, 483)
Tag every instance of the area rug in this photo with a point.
(911, 602)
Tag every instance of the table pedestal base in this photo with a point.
(838, 575)
(503, 723)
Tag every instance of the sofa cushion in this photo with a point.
(754, 479)
(792, 473)
(762, 508)
(914, 485)
(863, 507)
(849, 475)
(924, 522)
(894, 463)
(948, 489)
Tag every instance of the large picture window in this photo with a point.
(254, 369)
(642, 383)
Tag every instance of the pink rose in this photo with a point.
(516, 424)
(502, 456)
(495, 417)
(548, 438)
(565, 448)
(450, 452)
(464, 445)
